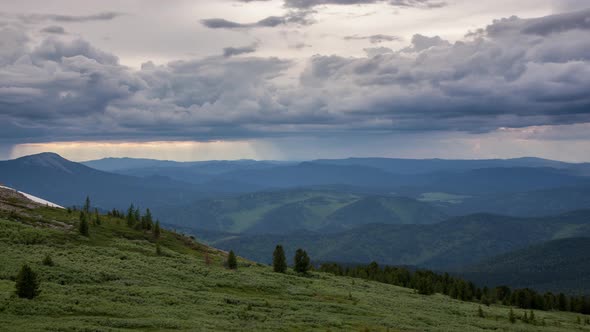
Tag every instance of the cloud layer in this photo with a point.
(513, 73)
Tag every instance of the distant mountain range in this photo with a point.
(449, 187)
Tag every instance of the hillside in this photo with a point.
(558, 265)
(452, 244)
(285, 211)
(115, 281)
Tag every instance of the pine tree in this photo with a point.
(27, 284)
(137, 215)
(87, 205)
(131, 216)
(148, 220)
(279, 261)
(83, 227)
(511, 316)
(157, 230)
(531, 317)
(302, 263)
(47, 261)
(232, 262)
(97, 220)
(480, 312)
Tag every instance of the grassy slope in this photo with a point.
(114, 281)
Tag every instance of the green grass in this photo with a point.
(114, 281)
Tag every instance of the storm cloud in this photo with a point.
(513, 73)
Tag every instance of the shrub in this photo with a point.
(47, 261)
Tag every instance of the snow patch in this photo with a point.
(35, 198)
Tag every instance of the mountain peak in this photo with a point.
(48, 160)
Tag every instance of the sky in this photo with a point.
(295, 79)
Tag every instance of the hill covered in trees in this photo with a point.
(449, 245)
(280, 212)
(123, 277)
(558, 265)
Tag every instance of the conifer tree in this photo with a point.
(97, 220)
(131, 216)
(83, 227)
(480, 312)
(87, 205)
(157, 230)
(148, 219)
(302, 263)
(279, 261)
(137, 215)
(232, 262)
(511, 316)
(531, 317)
(27, 284)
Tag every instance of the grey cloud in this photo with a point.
(397, 3)
(374, 39)
(376, 51)
(104, 16)
(54, 29)
(231, 51)
(504, 77)
(579, 20)
(293, 17)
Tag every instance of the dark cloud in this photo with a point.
(300, 17)
(231, 51)
(34, 18)
(398, 3)
(54, 29)
(374, 39)
(508, 75)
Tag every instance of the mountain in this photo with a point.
(115, 280)
(197, 172)
(290, 210)
(533, 203)
(424, 166)
(62, 181)
(383, 210)
(117, 164)
(448, 245)
(561, 265)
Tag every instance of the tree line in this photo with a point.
(428, 282)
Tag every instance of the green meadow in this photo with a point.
(114, 281)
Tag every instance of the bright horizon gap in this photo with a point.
(187, 151)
